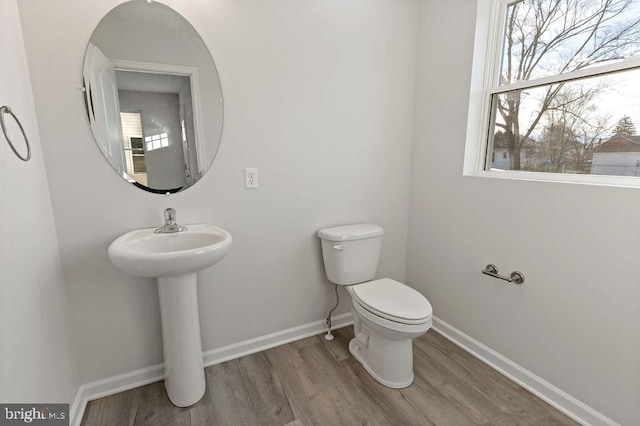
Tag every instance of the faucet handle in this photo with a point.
(170, 215)
(170, 225)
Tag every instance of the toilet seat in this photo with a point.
(392, 300)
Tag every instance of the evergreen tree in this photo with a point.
(625, 127)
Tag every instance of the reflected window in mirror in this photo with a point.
(136, 165)
(157, 141)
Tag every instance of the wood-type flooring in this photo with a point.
(317, 382)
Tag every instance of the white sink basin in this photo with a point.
(146, 254)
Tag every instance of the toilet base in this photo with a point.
(385, 348)
(359, 353)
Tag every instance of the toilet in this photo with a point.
(387, 315)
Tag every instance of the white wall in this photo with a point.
(37, 362)
(576, 320)
(319, 97)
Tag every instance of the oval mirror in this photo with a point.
(153, 96)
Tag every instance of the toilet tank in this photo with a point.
(351, 252)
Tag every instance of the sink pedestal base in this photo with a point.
(183, 365)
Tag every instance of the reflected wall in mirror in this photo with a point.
(153, 96)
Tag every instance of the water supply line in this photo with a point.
(329, 336)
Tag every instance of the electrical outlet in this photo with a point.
(251, 178)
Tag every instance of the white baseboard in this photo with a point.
(112, 385)
(251, 346)
(577, 410)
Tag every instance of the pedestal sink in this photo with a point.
(174, 259)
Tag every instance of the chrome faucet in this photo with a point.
(170, 224)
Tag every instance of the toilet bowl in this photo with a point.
(387, 314)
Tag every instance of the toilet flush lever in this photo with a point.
(339, 247)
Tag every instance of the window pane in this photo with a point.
(585, 126)
(550, 37)
(136, 143)
(139, 164)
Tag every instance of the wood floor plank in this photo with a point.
(317, 382)
(496, 387)
(477, 405)
(346, 332)
(264, 395)
(118, 409)
(508, 395)
(230, 400)
(268, 399)
(202, 413)
(338, 347)
(439, 409)
(156, 409)
(307, 400)
(352, 405)
(299, 344)
(388, 399)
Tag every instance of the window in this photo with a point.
(133, 146)
(139, 162)
(158, 141)
(561, 89)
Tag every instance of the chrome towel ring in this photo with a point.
(7, 110)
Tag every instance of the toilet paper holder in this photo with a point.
(516, 277)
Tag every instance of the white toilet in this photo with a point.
(387, 314)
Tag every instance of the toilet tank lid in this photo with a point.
(351, 232)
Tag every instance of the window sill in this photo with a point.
(597, 180)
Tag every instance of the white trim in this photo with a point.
(112, 385)
(144, 376)
(628, 64)
(152, 67)
(202, 156)
(482, 74)
(262, 343)
(597, 180)
(544, 390)
(77, 408)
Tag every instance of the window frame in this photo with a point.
(486, 66)
(137, 152)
